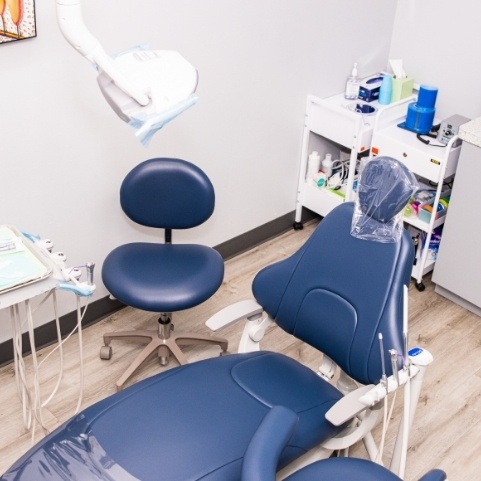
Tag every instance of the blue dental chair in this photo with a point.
(164, 278)
(195, 422)
(261, 458)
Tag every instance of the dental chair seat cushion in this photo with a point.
(192, 422)
(163, 277)
(352, 469)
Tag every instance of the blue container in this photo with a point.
(419, 119)
(427, 96)
(386, 90)
(420, 115)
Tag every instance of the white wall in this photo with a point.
(439, 42)
(64, 152)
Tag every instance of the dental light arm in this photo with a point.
(145, 88)
(70, 20)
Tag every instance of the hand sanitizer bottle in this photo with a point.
(352, 85)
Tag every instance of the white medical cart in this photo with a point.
(332, 126)
(430, 163)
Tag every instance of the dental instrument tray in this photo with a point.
(21, 262)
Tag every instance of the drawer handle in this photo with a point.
(404, 154)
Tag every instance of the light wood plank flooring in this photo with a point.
(447, 427)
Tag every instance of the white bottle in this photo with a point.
(352, 85)
(326, 165)
(313, 164)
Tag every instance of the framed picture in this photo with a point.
(17, 20)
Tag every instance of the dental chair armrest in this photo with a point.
(262, 455)
(434, 475)
(348, 406)
(233, 313)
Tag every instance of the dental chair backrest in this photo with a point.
(339, 292)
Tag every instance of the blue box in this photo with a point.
(369, 88)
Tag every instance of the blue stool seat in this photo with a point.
(135, 275)
(171, 428)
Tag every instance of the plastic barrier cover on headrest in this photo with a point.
(384, 189)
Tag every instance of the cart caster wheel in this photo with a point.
(420, 286)
(298, 226)
(105, 352)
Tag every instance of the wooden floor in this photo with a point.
(447, 427)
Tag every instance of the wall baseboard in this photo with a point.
(101, 308)
(261, 234)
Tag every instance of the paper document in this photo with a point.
(18, 265)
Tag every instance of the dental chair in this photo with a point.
(338, 293)
(165, 278)
(273, 434)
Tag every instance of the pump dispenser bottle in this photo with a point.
(352, 85)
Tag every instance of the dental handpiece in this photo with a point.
(90, 273)
(395, 371)
(383, 363)
(406, 352)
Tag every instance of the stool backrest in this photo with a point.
(167, 193)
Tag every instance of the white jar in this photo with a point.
(326, 165)
(313, 164)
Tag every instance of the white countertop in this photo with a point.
(471, 132)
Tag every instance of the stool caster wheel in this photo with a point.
(420, 286)
(105, 353)
(298, 226)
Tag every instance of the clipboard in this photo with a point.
(21, 262)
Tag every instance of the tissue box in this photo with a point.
(369, 88)
(401, 88)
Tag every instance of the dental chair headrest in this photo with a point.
(384, 189)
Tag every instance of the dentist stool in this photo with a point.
(164, 194)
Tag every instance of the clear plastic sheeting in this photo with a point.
(71, 454)
(145, 125)
(385, 187)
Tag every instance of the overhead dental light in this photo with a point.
(146, 88)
